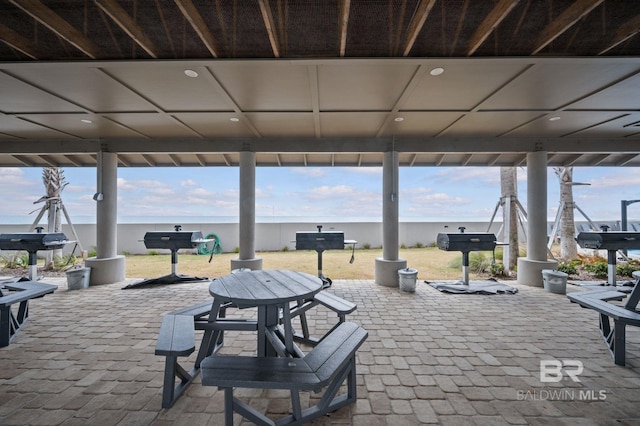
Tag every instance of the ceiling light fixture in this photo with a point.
(86, 121)
(554, 118)
(398, 119)
(190, 73)
(234, 119)
(436, 71)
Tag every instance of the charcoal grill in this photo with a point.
(32, 243)
(466, 243)
(321, 241)
(173, 241)
(611, 242)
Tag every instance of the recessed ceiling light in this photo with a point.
(86, 121)
(398, 119)
(234, 119)
(436, 71)
(555, 118)
(190, 73)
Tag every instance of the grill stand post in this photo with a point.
(465, 267)
(611, 267)
(326, 282)
(172, 278)
(33, 266)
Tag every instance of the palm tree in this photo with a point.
(509, 194)
(567, 232)
(54, 183)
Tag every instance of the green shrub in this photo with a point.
(285, 248)
(567, 268)
(626, 269)
(599, 268)
(366, 246)
(19, 260)
(403, 246)
(153, 252)
(478, 262)
(496, 269)
(419, 245)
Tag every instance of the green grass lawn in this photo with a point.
(431, 263)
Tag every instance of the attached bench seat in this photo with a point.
(614, 334)
(176, 338)
(21, 292)
(328, 365)
(327, 299)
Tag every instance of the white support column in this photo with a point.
(247, 226)
(386, 267)
(530, 268)
(107, 267)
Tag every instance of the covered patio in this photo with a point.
(86, 357)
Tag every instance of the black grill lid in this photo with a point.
(173, 240)
(619, 240)
(477, 241)
(319, 241)
(33, 241)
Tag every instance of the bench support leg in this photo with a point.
(328, 403)
(614, 336)
(10, 324)
(171, 391)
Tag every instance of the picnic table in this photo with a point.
(279, 296)
(271, 292)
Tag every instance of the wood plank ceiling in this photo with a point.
(326, 82)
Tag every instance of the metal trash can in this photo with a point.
(78, 278)
(554, 281)
(408, 277)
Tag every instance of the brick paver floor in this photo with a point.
(86, 357)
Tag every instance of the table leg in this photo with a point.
(288, 330)
(211, 337)
(267, 319)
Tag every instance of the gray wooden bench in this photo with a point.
(329, 300)
(176, 338)
(20, 293)
(328, 365)
(614, 334)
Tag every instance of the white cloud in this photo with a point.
(364, 170)
(309, 171)
(189, 183)
(486, 175)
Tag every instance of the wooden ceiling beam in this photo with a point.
(624, 33)
(201, 159)
(175, 160)
(149, 160)
(343, 24)
(626, 159)
(269, 23)
(18, 42)
(24, 160)
(493, 19)
(128, 25)
(571, 15)
(59, 26)
(416, 24)
(194, 18)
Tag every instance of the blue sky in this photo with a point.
(426, 193)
